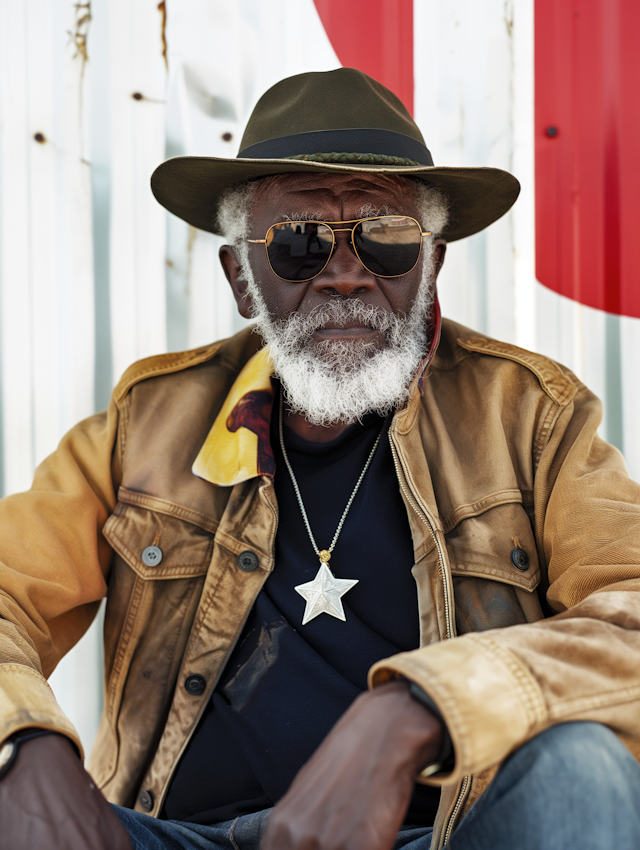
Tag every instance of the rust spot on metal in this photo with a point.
(162, 8)
(137, 95)
(226, 137)
(79, 36)
(40, 138)
(79, 39)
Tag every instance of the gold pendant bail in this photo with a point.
(324, 555)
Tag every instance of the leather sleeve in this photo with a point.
(53, 568)
(497, 689)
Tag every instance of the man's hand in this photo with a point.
(354, 792)
(47, 799)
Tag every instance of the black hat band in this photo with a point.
(361, 140)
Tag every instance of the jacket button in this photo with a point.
(195, 685)
(151, 556)
(247, 561)
(520, 559)
(146, 800)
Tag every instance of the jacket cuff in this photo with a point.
(488, 699)
(27, 702)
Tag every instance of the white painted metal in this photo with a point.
(464, 106)
(137, 232)
(92, 267)
(46, 279)
(15, 247)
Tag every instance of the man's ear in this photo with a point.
(237, 281)
(439, 250)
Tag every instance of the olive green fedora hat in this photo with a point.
(332, 122)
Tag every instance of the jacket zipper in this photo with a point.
(456, 809)
(449, 633)
(448, 607)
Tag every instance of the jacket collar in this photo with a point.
(238, 447)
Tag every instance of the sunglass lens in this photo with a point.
(388, 246)
(299, 250)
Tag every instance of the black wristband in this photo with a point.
(9, 749)
(446, 758)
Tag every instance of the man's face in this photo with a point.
(333, 197)
(345, 342)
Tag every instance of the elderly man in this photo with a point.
(372, 495)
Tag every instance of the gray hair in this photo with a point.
(234, 212)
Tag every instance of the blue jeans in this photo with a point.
(574, 787)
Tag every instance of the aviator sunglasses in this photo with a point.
(387, 245)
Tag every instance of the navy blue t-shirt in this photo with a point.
(286, 684)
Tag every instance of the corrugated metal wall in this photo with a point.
(94, 274)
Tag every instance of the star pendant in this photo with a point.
(323, 594)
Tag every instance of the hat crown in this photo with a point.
(342, 99)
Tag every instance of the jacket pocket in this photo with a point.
(181, 540)
(495, 568)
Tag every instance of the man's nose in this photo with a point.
(344, 274)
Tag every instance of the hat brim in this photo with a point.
(191, 186)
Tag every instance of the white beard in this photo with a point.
(341, 381)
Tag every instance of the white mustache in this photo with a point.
(299, 329)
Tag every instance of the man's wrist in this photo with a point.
(10, 748)
(446, 757)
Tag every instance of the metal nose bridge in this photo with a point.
(355, 222)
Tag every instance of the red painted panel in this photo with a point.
(375, 36)
(587, 77)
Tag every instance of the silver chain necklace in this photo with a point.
(323, 594)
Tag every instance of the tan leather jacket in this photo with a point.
(498, 452)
